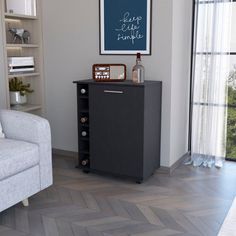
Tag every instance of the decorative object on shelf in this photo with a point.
(138, 71)
(109, 72)
(22, 7)
(125, 27)
(21, 35)
(18, 91)
(20, 64)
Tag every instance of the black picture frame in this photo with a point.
(125, 27)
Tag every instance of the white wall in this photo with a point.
(71, 36)
(180, 82)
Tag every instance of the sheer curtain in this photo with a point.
(211, 72)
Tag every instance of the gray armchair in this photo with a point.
(25, 157)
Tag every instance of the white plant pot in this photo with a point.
(17, 99)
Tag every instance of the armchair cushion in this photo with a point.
(17, 156)
(33, 129)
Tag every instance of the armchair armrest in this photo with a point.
(34, 129)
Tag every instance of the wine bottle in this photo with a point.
(85, 162)
(83, 91)
(138, 70)
(84, 133)
(83, 119)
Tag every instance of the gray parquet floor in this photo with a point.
(192, 202)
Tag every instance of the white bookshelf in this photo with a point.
(32, 24)
(10, 76)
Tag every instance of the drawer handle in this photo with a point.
(113, 91)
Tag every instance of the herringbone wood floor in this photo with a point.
(193, 202)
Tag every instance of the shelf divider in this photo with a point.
(20, 16)
(18, 45)
(23, 75)
(26, 107)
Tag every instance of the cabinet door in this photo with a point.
(116, 129)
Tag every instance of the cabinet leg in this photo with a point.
(139, 181)
(25, 202)
(86, 171)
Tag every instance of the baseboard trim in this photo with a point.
(161, 170)
(179, 162)
(170, 170)
(64, 153)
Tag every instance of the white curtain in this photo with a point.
(211, 72)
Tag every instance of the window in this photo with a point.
(222, 12)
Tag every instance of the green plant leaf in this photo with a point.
(16, 84)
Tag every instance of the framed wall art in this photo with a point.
(125, 26)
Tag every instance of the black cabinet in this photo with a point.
(123, 131)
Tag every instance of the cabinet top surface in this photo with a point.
(126, 82)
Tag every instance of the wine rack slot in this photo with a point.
(83, 126)
(83, 91)
(84, 147)
(84, 120)
(84, 106)
(84, 161)
(84, 132)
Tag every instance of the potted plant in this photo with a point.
(18, 91)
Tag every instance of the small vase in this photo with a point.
(17, 99)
